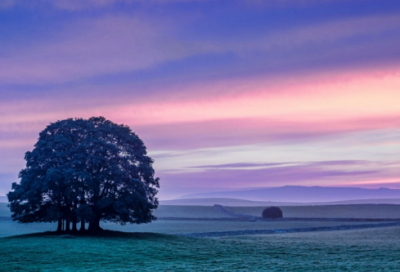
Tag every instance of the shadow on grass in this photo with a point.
(101, 234)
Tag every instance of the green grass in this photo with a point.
(359, 250)
(9, 228)
(182, 226)
(152, 247)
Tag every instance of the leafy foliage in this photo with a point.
(88, 170)
(272, 212)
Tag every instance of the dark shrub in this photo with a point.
(272, 213)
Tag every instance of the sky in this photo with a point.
(225, 94)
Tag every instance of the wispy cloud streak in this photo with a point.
(325, 173)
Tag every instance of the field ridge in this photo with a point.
(291, 230)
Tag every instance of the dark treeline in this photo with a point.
(84, 171)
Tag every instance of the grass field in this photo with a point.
(4, 210)
(337, 211)
(9, 228)
(155, 247)
(360, 250)
(189, 212)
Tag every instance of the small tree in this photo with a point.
(87, 170)
(272, 213)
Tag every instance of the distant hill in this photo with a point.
(232, 202)
(303, 194)
(222, 201)
(395, 201)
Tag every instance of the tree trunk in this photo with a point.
(59, 226)
(74, 218)
(94, 225)
(82, 229)
(67, 229)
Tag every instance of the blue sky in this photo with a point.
(286, 85)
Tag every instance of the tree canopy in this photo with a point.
(272, 213)
(87, 171)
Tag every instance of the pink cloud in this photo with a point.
(252, 131)
(252, 110)
(317, 98)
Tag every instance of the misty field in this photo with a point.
(160, 246)
(336, 211)
(360, 250)
(9, 227)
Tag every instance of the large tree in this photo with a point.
(88, 171)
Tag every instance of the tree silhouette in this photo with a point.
(88, 171)
(272, 213)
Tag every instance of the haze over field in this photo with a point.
(236, 202)
(287, 196)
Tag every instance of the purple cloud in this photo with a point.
(264, 165)
(238, 165)
(321, 173)
(267, 177)
(230, 132)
